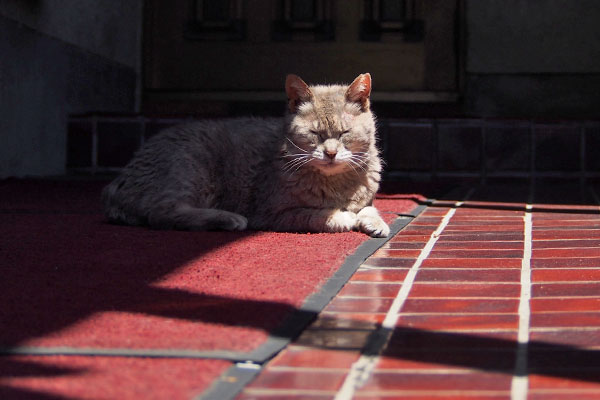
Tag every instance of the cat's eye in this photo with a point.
(321, 134)
(345, 131)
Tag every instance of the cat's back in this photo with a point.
(230, 134)
(205, 158)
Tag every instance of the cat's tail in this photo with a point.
(168, 212)
(186, 217)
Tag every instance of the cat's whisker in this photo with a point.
(359, 160)
(359, 163)
(295, 167)
(296, 163)
(295, 145)
(354, 169)
(297, 158)
(300, 166)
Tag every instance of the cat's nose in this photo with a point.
(331, 153)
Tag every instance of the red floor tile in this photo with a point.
(390, 381)
(449, 290)
(487, 212)
(390, 262)
(587, 380)
(561, 216)
(418, 230)
(588, 338)
(298, 356)
(439, 209)
(556, 234)
(282, 395)
(482, 359)
(505, 221)
(390, 253)
(564, 244)
(461, 306)
(380, 275)
(485, 253)
(445, 395)
(560, 275)
(404, 338)
(370, 289)
(460, 322)
(357, 305)
(563, 362)
(427, 221)
(402, 237)
(565, 263)
(469, 275)
(480, 245)
(570, 319)
(558, 394)
(565, 304)
(485, 228)
(348, 321)
(566, 253)
(456, 236)
(565, 289)
(334, 339)
(560, 223)
(405, 245)
(299, 379)
(471, 263)
(414, 361)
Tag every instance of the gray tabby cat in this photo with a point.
(316, 170)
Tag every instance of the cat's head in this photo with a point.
(330, 128)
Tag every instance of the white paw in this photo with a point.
(371, 223)
(342, 221)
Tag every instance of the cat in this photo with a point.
(315, 170)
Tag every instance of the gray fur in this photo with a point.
(315, 170)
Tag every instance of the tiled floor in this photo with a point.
(472, 300)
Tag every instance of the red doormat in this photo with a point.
(76, 285)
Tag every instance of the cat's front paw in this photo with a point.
(341, 221)
(371, 223)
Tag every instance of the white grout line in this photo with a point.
(520, 380)
(362, 369)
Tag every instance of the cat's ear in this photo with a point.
(359, 91)
(297, 91)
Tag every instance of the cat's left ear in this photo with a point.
(359, 91)
(297, 91)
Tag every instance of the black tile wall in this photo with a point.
(557, 148)
(460, 148)
(117, 142)
(507, 147)
(80, 143)
(592, 148)
(409, 146)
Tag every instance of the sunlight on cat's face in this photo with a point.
(332, 143)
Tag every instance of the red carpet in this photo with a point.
(73, 281)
